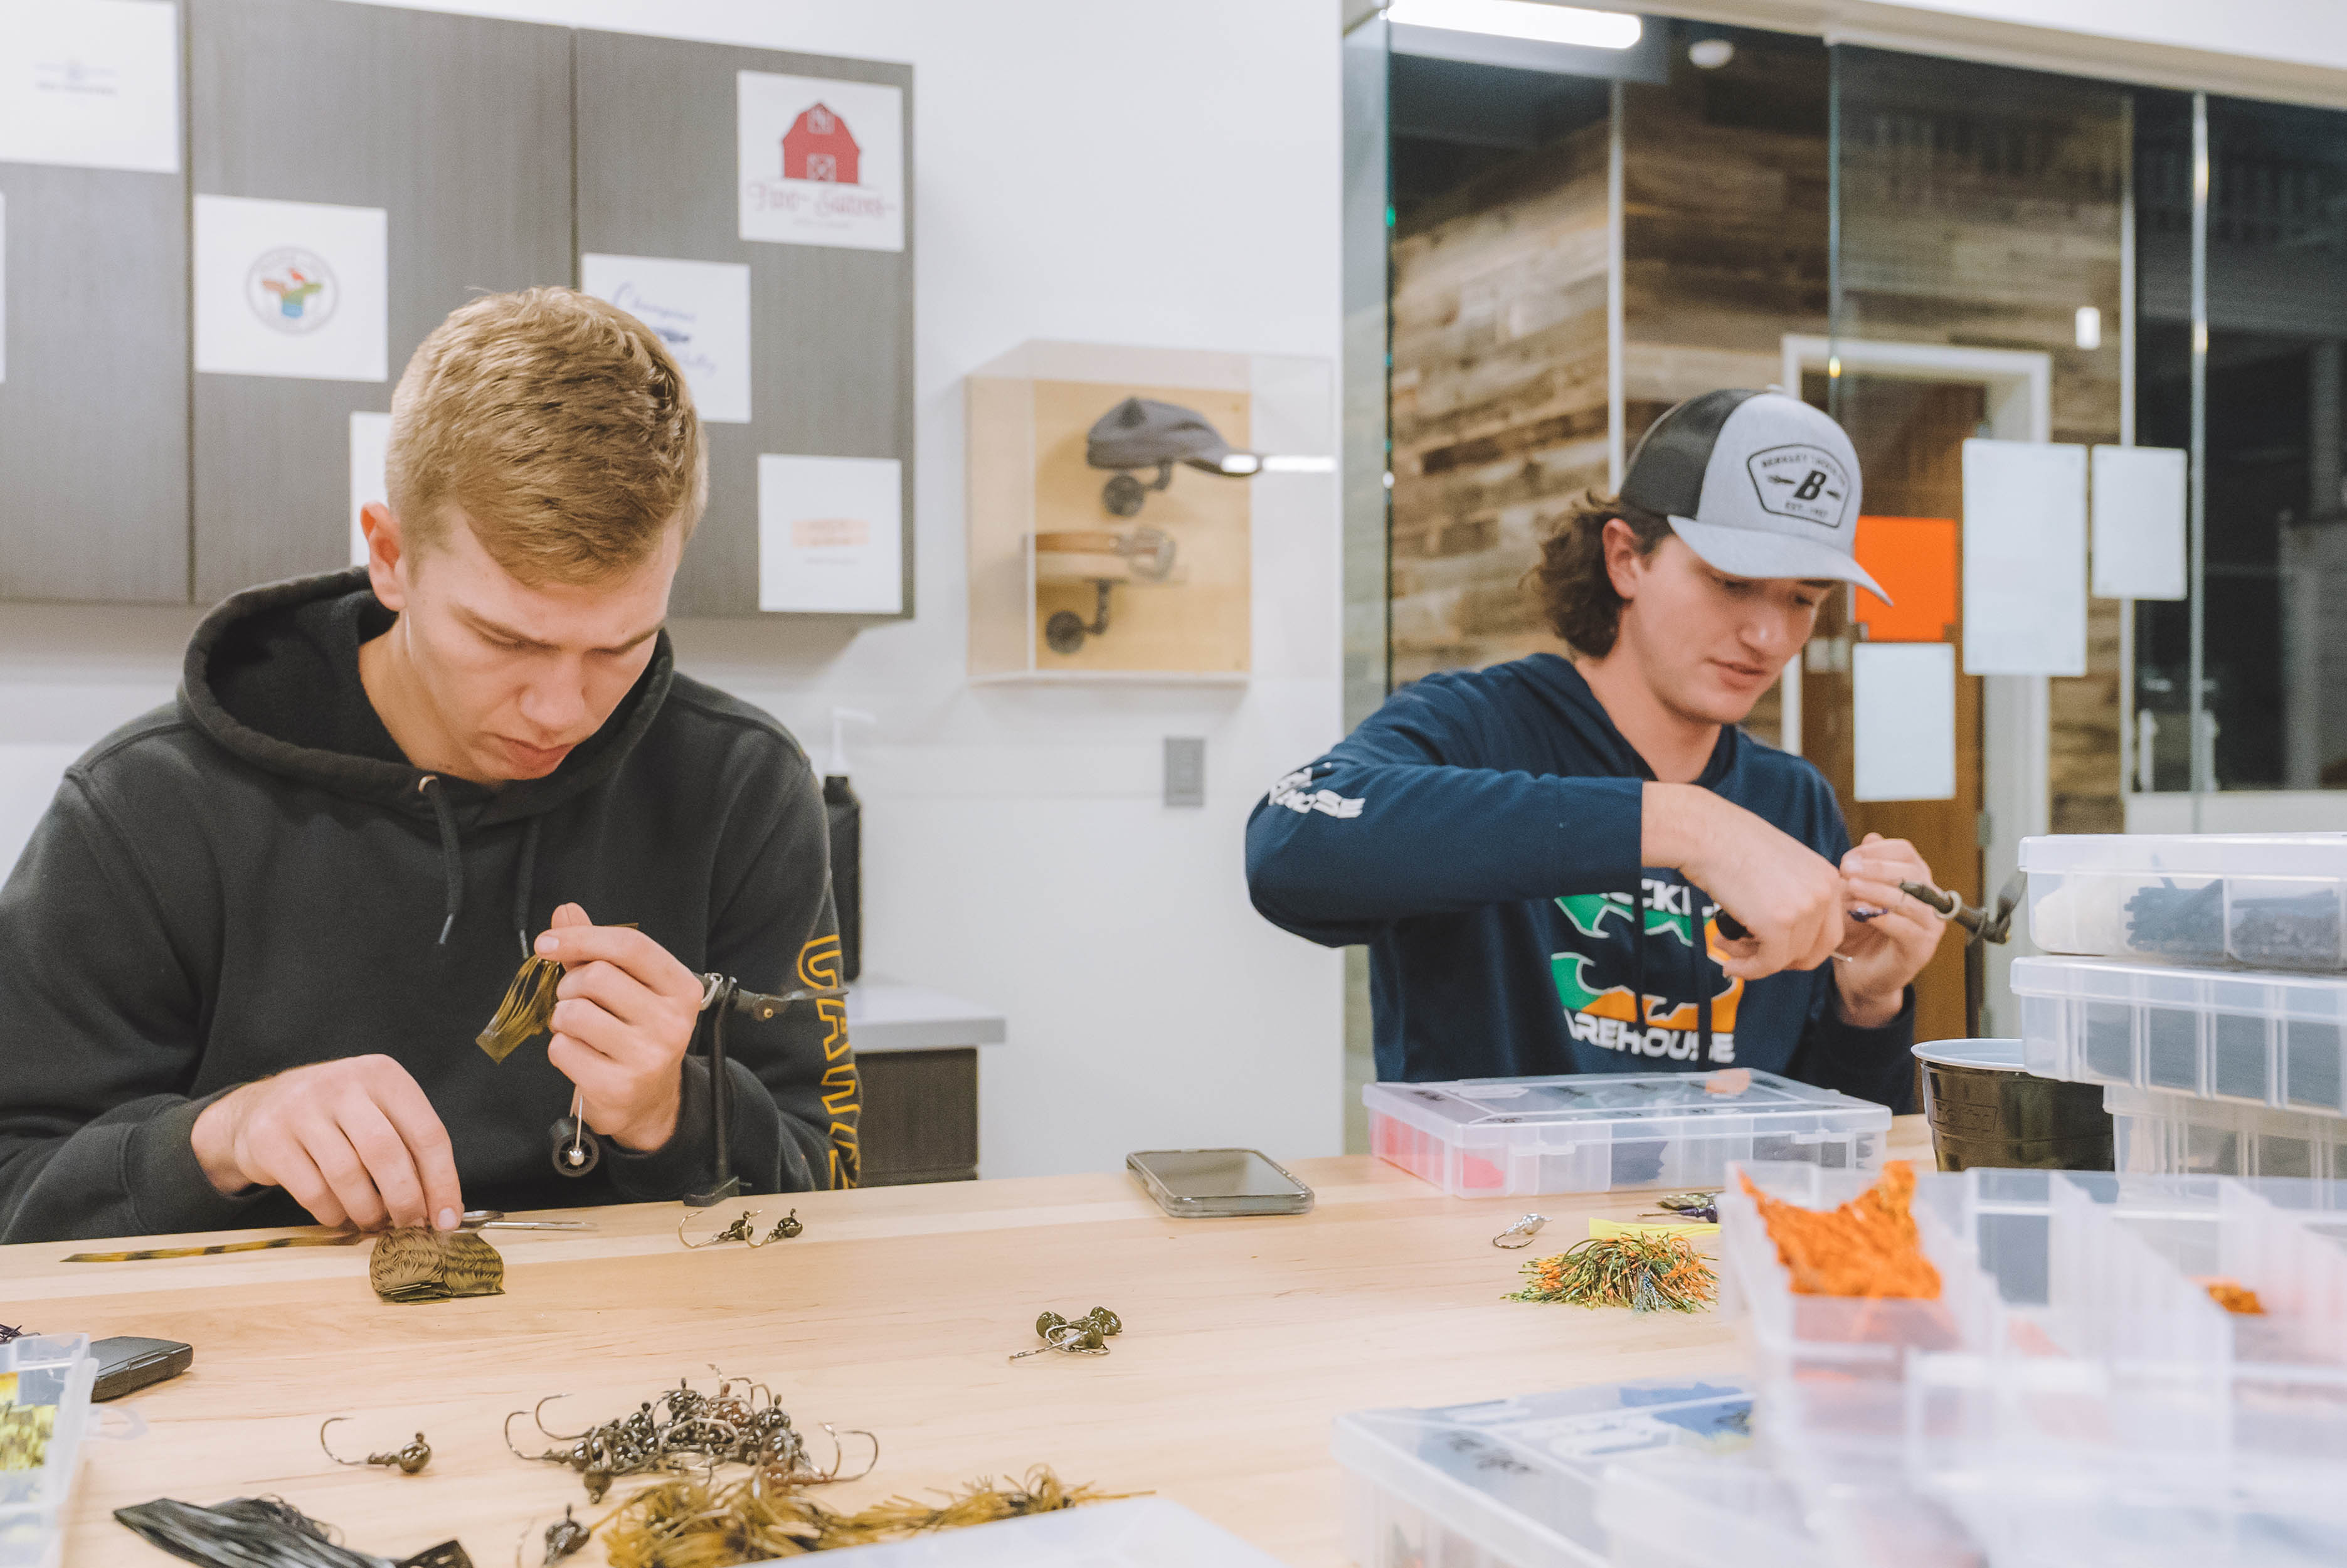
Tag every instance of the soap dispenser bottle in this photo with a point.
(843, 814)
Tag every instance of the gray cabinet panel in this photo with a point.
(831, 350)
(460, 129)
(94, 412)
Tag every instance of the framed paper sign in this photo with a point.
(822, 161)
(830, 535)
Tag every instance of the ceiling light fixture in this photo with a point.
(1526, 19)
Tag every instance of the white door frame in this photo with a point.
(2016, 760)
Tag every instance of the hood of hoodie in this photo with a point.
(271, 676)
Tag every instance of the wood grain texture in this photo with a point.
(1243, 1339)
(1499, 399)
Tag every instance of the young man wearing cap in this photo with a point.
(251, 944)
(1538, 853)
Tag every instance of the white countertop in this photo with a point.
(889, 1015)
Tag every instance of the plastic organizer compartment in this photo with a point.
(1515, 1483)
(2266, 900)
(1137, 1532)
(1677, 1509)
(2160, 1134)
(1600, 1133)
(2076, 1363)
(2260, 1039)
(53, 1372)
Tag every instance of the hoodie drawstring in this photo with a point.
(1638, 948)
(452, 856)
(522, 881)
(1702, 988)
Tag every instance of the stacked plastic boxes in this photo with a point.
(1600, 1133)
(2074, 1396)
(2203, 980)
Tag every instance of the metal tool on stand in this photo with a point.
(721, 995)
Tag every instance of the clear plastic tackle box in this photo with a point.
(2268, 901)
(2075, 1368)
(2158, 1135)
(1516, 1483)
(1598, 1132)
(2260, 1039)
(44, 1382)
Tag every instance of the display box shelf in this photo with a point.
(1142, 572)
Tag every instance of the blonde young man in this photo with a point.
(1538, 855)
(249, 947)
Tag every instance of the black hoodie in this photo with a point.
(254, 877)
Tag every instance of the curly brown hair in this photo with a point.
(1577, 594)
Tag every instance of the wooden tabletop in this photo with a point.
(894, 1312)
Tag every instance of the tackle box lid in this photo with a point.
(1595, 1101)
(1521, 1476)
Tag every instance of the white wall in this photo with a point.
(1104, 172)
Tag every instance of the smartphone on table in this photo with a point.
(1198, 1183)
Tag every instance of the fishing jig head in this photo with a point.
(407, 1461)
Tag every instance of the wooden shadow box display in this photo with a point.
(1112, 539)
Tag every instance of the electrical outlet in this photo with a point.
(1185, 770)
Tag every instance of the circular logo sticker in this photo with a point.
(293, 290)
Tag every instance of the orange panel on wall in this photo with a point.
(1916, 560)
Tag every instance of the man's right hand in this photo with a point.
(354, 1141)
(1786, 895)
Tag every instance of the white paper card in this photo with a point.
(1904, 697)
(701, 310)
(830, 535)
(2024, 558)
(92, 84)
(291, 288)
(822, 161)
(370, 438)
(2138, 518)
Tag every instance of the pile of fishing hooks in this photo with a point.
(686, 1429)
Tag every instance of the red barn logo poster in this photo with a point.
(822, 161)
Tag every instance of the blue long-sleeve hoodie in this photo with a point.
(1480, 833)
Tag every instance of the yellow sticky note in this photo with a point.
(1603, 1228)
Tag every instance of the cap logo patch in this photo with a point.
(1800, 481)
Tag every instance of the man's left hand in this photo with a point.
(623, 1020)
(1880, 957)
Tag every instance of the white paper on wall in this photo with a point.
(830, 535)
(701, 310)
(291, 288)
(2139, 522)
(370, 438)
(822, 161)
(1903, 695)
(2024, 558)
(92, 84)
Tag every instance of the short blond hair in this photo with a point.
(560, 426)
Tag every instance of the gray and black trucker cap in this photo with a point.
(1757, 483)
